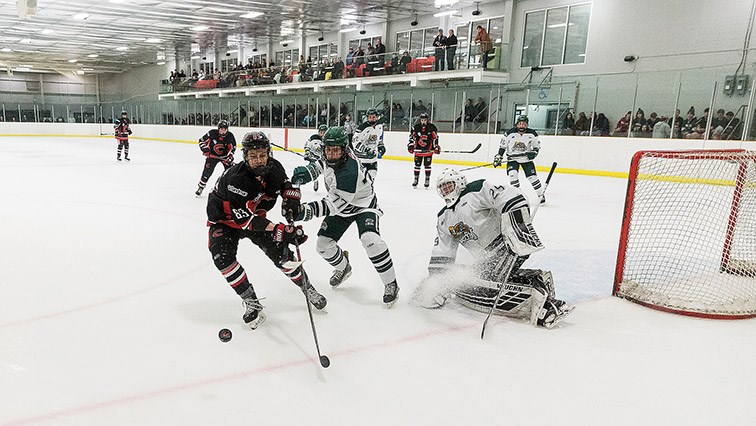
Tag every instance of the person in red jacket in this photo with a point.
(423, 144)
(218, 145)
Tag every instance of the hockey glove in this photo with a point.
(437, 150)
(368, 153)
(532, 155)
(129, 131)
(290, 202)
(411, 147)
(302, 174)
(497, 160)
(381, 150)
(289, 234)
(305, 213)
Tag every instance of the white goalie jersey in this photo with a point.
(366, 142)
(485, 218)
(520, 147)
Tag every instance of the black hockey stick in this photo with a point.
(287, 150)
(325, 362)
(475, 167)
(501, 289)
(463, 152)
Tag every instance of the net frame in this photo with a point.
(736, 269)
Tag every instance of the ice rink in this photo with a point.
(110, 308)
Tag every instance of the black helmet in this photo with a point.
(223, 124)
(424, 115)
(336, 136)
(124, 113)
(256, 140)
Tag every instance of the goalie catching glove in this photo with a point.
(288, 234)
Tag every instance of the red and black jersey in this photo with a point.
(241, 200)
(213, 144)
(122, 130)
(425, 138)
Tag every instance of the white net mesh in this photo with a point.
(690, 246)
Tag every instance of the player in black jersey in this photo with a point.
(122, 132)
(423, 143)
(237, 208)
(218, 145)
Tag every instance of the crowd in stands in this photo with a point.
(723, 126)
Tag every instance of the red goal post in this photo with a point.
(688, 237)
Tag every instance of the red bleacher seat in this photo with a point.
(206, 84)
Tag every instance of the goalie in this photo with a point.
(493, 223)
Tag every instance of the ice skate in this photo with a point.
(338, 276)
(390, 294)
(127, 158)
(254, 315)
(427, 181)
(414, 183)
(199, 190)
(317, 300)
(553, 312)
(118, 158)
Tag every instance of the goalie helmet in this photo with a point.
(336, 136)
(450, 184)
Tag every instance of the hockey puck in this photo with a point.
(324, 361)
(224, 335)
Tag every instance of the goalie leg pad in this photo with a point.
(519, 232)
(516, 300)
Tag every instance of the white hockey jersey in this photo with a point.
(350, 191)
(313, 149)
(518, 145)
(366, 142)
(475, 222)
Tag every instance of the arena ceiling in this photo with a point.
(100, 36)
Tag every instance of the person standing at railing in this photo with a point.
(122, 132)
(440, 44)
(485, 44)
(380, 50)
(451, 50)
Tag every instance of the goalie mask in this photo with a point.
(256, 149)
(450, 184)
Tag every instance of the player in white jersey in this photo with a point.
(350, 199)
(493, 223)
(368, 142)
(313, 149)
(521, 146)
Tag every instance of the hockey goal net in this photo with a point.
(688, 239)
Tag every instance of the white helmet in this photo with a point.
(450, 184)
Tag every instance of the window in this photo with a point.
(258, 60)
(323, 51)
(229, 64)
(364, 42)
(556, 36)
(284, 57)
(418, 42)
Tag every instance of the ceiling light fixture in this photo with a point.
(348, 30)
(414, 23)
(160, 63)
(22, 69)
(25, 41)
(73, 61)
(447, 13)
(6, 49)
(251, 15)
(122, 48)
(476, 12)
(321, 38)
(26, 66)
(81, 16)
(93, 55)
(200, 28)
(153, 40)
(47, 31)
(442, 3)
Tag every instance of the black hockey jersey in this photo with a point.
(240, 200)
(122, 129)
(424, 138)
(215, 145)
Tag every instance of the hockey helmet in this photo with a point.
(450, 184)
(372, 111)
(424, 115)
(336, 136)
(322, 128)
(522, 118)
(124, 113)
(256, 140)
(223, 124)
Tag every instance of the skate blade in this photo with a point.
(347, 275)
(389, 305)
(566, 311)
(257, 321)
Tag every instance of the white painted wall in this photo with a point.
(581, 154)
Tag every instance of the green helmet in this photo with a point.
(372, 111)
(336, 136)
(522, 118)
(323, 128)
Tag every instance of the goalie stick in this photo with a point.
(325, 362)
(509, 271)
(462, 151)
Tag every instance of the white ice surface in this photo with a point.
(110, 308)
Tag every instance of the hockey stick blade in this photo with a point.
(463, 152)
(292, 264)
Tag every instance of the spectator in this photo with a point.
(380, 50)
(485, 47)
(404, 62)
(350, 62)
(338, 68)
(419, 109)
(568, 124)
(451, 50)
(359, 57)
(639, 123)
(440, 44)
(480, 111)
(733, 129)
(651, 122)
(195, 75)
(601, 125)
(661, 129)
(689, 124)
(622, 125)
(582, 125)
(394, 64)
(676, 124)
